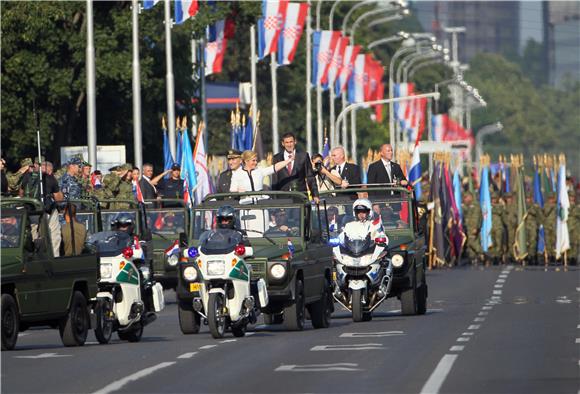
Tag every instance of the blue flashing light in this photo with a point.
(334, 242)
(192, 252)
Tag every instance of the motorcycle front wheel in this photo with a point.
(104, 328)
(215, 316)
(357, 305)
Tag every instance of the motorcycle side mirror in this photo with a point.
(182, 240)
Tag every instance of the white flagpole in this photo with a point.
(170, 89)
(319, 123)
(137, 136)
(254, 61)
(91, 91)
(309, 79)
(275, 138)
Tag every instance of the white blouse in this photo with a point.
(241, 179)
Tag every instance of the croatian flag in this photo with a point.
(173, 249)
(417, 124)
(185, 9)
(291, 33)
(148, 4)
(415, 172)
(291, 248)
(324, 44)
(350, 54)
(187, 169)
(337, 60)
(215, 48)
(270, 26)
(401, 107)
(357, 91)
(137, 191)
(438, 126)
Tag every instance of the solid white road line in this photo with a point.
(578, 326)
(318, 367)
(438, 376)
(370, 334)
(131, 378)
(474, 327)
(207, 347)
(457, 348)
(360, 346)
(249, 334)
(187, 355)
(45, 355)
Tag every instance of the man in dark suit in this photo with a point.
(385, 170)
(348, 172)
(225, 179)
(298, 173)
(145, 183)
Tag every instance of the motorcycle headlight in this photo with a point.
(106, 270)
(173, 260)
(216, 267)
(278, 271)
(190, 274)
(397, 260)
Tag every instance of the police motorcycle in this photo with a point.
(228, 297)
(363, 272)
(128, 299)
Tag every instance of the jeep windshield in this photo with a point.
(394, 214)
(255, 222)
(219, 241)
(166, 221)
(11, 226)
(108, 217)
(110, 243)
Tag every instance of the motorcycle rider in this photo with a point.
(363, 223)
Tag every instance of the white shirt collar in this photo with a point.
(386, 162)
(286, 154)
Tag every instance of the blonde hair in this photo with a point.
(248, 155)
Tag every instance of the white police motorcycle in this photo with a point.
(127, 299)
(363, 272)
(227, 294)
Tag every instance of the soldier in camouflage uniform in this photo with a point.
(14, 179)
(69, 183)
(574, 229)
(472, 219)
(497, 248)
(510, 221)
(85, 179)
(533, 220)
(550, 214)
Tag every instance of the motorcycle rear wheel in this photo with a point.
(215, 317)
(357, 305)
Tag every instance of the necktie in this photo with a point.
(289, 167)
(340, 168)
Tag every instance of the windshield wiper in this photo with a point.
(264, 235)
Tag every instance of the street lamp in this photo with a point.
(398, 37)
(444, 59)
(484, 132)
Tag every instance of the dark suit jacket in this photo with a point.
(351, 173)
(301, 174)
(224, 181)
(147, 189)
(378, 173)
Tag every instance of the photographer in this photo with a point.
(324, 178)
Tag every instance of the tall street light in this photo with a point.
(484, 132)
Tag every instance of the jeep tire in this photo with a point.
(10, 322)
(75, 326)
(189, 320)
(295, 314)
(321, 310)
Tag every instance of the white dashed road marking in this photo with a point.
(228, 340)
(207, 347)
(318, 367)
(486, 308)
(467, 334)
(497, 292)
(438, 376)
(456, 348)
(45, 355)
(479, 319)
(463, 339)
(188, 355)
(361, 346)
(371, 334)
(474, 327)
(131, 378)
(483, 313)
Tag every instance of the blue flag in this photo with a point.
(167, 158)
(179, 150)
(485, 203)
(415, 173)
(188, 169)
(539, 199)
(148, 4)
(249, 134)
(457, 192)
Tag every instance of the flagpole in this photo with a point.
(319, 123)
(203, 88)
(254, 61)
(137, 136)
(170, 89)
(91, 94)
(334, 140)
(309, 79)
(275, 138)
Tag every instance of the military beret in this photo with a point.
(234, 154)
(74, 161)
(86, 164)
(114, 168)
(127, 166)
(42, 159)
(26, 162)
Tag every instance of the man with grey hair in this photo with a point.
(385, 170)
(349, 173)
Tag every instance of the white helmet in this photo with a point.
(362, 204)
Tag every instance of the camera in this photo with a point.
(318, 166)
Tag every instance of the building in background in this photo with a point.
(562, 40)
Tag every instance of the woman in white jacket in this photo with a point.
(249, 178)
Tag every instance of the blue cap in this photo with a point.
(74, 160)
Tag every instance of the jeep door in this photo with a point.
(318, 254)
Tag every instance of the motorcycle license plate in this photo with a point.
(194, 287)
(334, 275)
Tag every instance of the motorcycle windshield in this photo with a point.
(219, 241)
(356, 247)
(109, 243)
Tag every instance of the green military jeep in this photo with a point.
(289, 238)
(169, 221)
(401, 223)
(39, 289)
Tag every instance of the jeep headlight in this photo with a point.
(397, 260)
(173, 260)
(190, 273)
(106, 270)
(216, 267)
(277, 271)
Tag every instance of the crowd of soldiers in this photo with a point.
(505, 223)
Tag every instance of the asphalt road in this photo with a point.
(492, 330)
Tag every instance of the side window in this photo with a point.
(322, 218)
(40, 239)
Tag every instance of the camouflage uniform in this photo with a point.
(510, 221)
(497, 241)
(574, 229)
(533, 220)
(550, 215)
(15, 178)
(472, 219)
(70, 186)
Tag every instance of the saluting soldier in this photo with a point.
(85, 179)
(472, 219)
(510, 220)
(533, 220)
(225, 178)
(497, 230)
(550, 215)
(125, 189)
